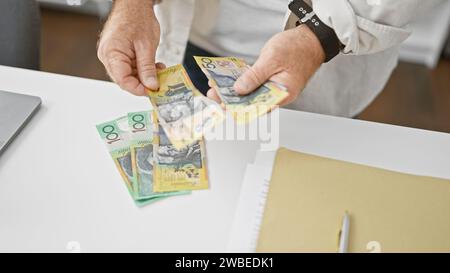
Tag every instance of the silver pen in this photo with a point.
(344, 234)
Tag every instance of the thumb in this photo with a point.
(253, 77)
(146, 67)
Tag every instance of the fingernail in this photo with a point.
(151, 82)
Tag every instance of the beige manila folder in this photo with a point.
(389, 211)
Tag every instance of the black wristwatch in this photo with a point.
(326, 35)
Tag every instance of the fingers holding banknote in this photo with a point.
(289, 58)
(128, 50)
(123, 71)
(125, 74)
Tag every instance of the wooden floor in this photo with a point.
(414, 97)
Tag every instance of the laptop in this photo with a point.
(15, 111)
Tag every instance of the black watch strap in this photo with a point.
(326, 35)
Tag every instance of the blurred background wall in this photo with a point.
(418, 94)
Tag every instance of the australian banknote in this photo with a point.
(223, 73)
(116, 137)
(179, 169)
(143, 126)
(183, 112)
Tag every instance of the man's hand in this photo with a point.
(290, 58)
(128, 44)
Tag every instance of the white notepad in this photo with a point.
(250, 209)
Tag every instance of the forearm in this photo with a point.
(307, 42)
(130, 6)
(126, 13)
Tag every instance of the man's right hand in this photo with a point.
(128, 44)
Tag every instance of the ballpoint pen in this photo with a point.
(344, 234)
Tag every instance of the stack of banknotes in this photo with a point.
(150, 166)
(223, 73)
(161, 153)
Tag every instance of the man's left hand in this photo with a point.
(289, 58)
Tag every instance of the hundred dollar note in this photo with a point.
(179, 169)
(183, 112)
(116, 137)
(142, 127)
(223, 73)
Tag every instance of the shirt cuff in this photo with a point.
(357, 32)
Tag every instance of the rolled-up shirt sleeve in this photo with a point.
(370, 26)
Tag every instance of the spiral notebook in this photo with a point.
(298, 207)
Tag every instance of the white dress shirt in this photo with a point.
(239, 29)
(371, 31)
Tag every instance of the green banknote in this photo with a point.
(142, 127)
(116, 136)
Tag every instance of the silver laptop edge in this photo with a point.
(15, 112)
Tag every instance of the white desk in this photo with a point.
(58, 184)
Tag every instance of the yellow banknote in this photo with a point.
(178, 169)
(142, 126)
(183, 112)
(223, 73)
